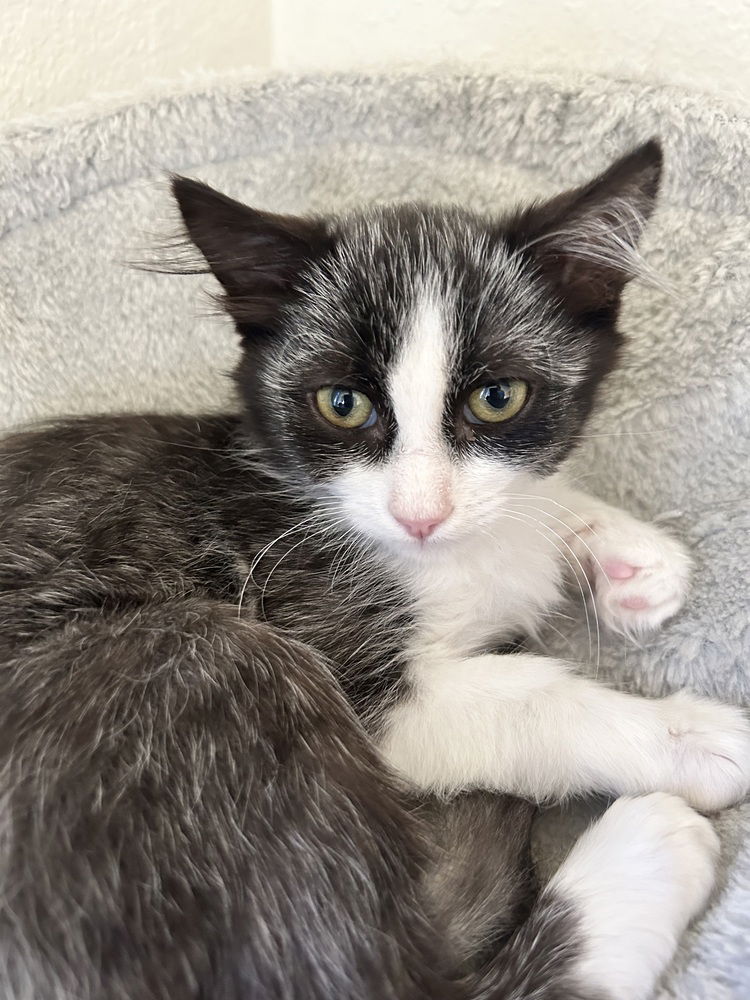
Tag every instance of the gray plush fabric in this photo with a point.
(79, 332)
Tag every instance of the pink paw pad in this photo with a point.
(616, 570)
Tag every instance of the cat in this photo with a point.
(267, 729)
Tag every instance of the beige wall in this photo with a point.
(56, 52)
(704, 45)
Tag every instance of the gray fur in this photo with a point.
(192, 808)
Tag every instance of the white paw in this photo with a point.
(708, 750)
(636, 878)
(639, 573)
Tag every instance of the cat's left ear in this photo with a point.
(256, 256)
(585, 242)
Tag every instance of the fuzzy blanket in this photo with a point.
(80, 332)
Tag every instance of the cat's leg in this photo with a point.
(617, 907)
(529, 726)
(480, 879)
(607, 924)
(190, 809)
(639, 572)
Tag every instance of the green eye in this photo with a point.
(497, 402)
(345, 407)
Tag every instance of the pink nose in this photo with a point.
(422, 527)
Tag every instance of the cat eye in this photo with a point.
(344, 407)
(491, 404)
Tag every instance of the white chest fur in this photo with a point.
(489, 590)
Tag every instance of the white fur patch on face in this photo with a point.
(419, 380)
(422, 483)
(420, 471)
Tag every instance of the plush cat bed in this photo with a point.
(79, 332)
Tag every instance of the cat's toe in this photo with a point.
(708, 750)
(641, 602)
(639, 581)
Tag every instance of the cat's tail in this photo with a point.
(609, 922)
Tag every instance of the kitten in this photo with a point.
(255, 717)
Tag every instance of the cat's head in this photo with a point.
(410, 366)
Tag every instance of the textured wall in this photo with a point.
(700, 43)
(56, 52)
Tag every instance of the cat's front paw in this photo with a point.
(639, 573)
(708, 751)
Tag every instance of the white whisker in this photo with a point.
(575, 533)
(572, 551)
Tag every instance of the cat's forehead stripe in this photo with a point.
(418, 381)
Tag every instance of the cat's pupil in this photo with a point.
(342, 401)
(496, 396)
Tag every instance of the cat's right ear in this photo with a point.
(584, 242)
(256, 256)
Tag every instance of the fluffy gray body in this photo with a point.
(191, 807)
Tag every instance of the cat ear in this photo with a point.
(255, 255)
(586, 241)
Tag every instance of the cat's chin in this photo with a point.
(422, 549)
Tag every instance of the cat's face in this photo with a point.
(422, 373)
(413, 368)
